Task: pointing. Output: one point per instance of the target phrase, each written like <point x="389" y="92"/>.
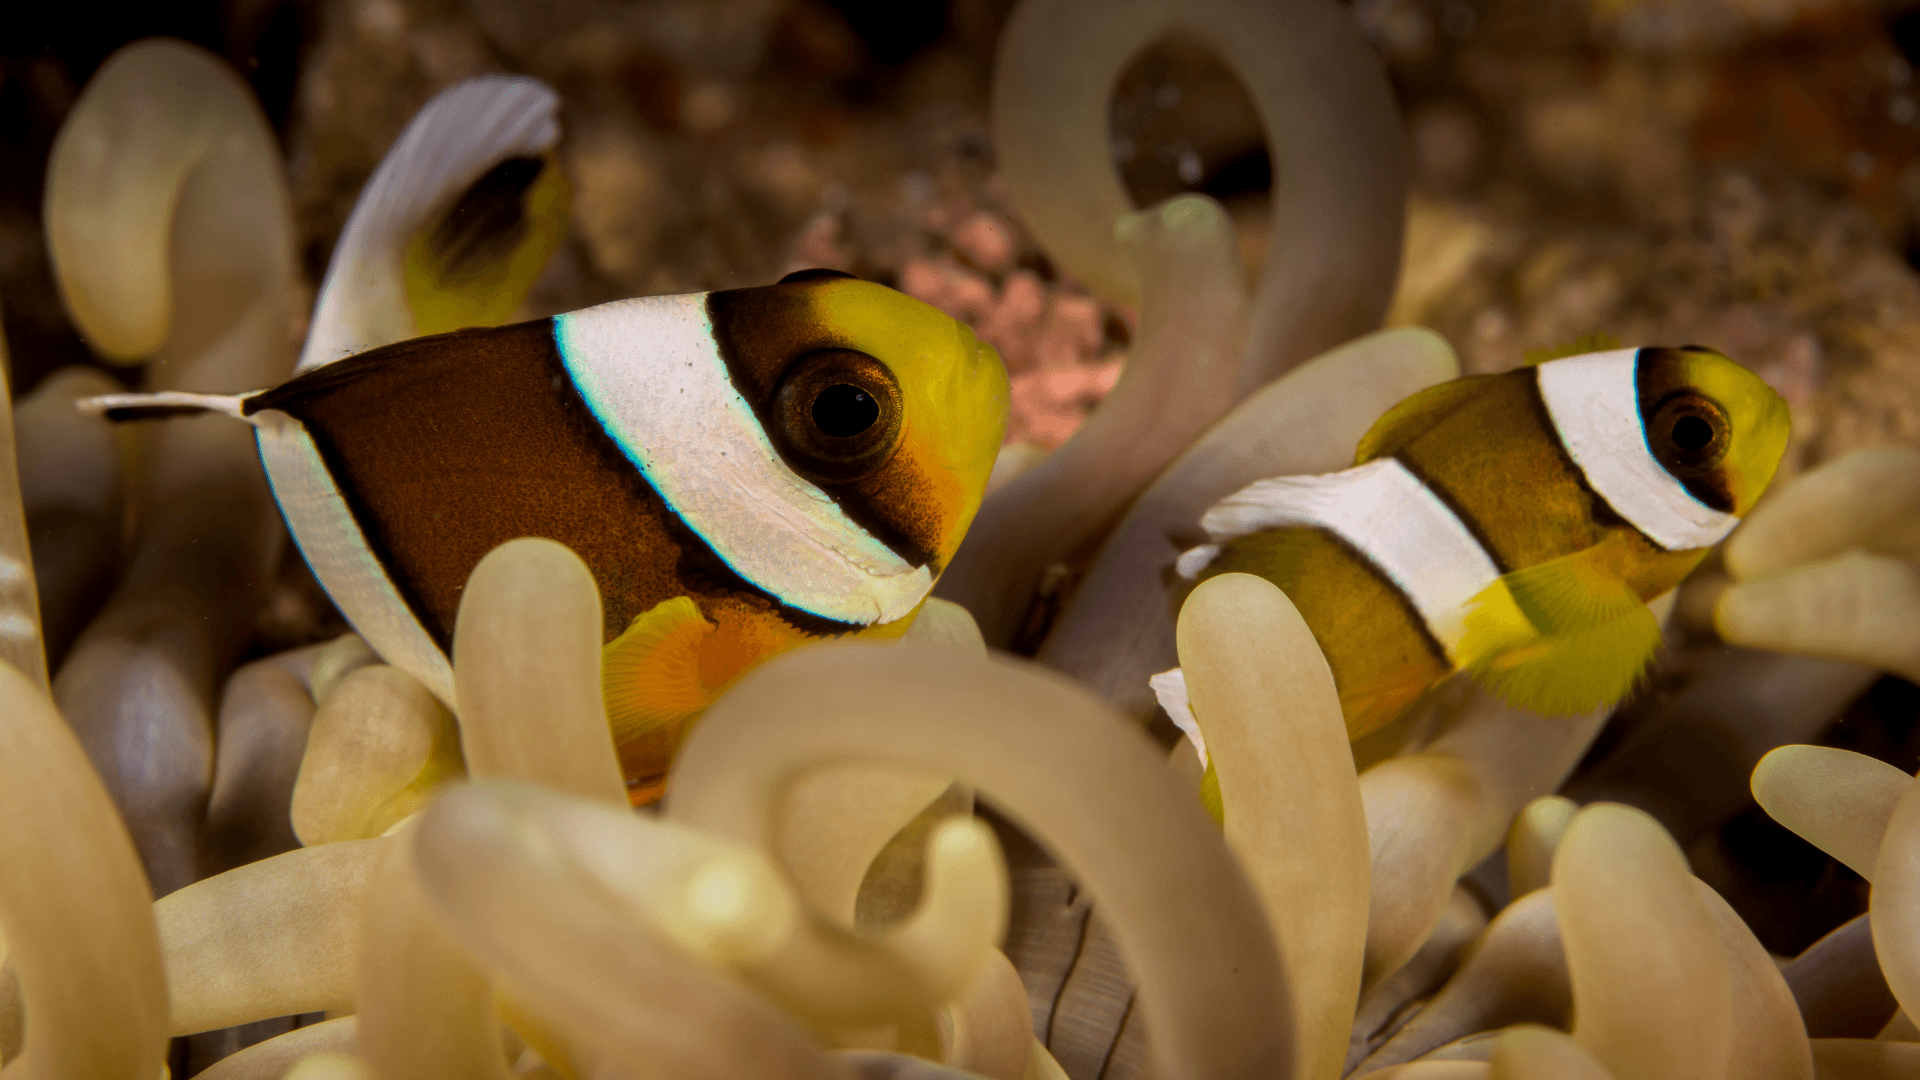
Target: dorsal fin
<point x="1598" y="341"/>
<point x="329" y="376"/>
<point x="818" y="273"/>
<point x="1411" y="418"/>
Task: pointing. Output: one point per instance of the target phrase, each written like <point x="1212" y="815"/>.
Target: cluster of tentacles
<point x="816" y="899"/>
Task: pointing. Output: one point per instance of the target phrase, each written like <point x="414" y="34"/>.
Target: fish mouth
<point x="1780" y="412"/>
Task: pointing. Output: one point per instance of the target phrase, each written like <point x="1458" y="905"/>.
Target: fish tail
<point x="461" y="172"/>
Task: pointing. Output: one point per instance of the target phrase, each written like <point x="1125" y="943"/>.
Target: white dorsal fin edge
<point x="453" y="141"/>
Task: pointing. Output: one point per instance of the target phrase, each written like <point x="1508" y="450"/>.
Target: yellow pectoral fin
<point x="1560" y="637"/>
<point x="650" y="678"/>
<point x="661" y="673"/>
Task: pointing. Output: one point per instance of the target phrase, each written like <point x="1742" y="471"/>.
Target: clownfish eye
<point x="844" y="410"/>
<point x="1688" y="434"/>
<point x="836" y="414"/>
<point x="1691" y="434"/>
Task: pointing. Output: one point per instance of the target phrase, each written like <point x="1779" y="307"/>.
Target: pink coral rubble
<point x="1051" y="336"/>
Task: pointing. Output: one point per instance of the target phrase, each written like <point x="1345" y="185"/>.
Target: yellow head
<point x="1712" y="423"/>
<point x="891" y="407"/>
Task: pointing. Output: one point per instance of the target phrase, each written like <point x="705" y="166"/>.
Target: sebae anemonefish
<point x="742" y="471"/>
<point x="1512" y="526"/>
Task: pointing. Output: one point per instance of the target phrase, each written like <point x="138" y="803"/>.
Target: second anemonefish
<point x="742" y="471"/>
<point x="1512" y="526"/>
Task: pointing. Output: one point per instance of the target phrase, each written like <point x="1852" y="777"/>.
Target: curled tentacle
<point x="1263" y="695"/>
<point x="166" y="167"/>
<point x="83" y="955"/>
<point x="1331" y="126"/>
<point x="171" y="234"/>
<point x="1211" y="982"/>
<point x="1338" y="204"/>
<point x="525" y="910"/>
<point x="1177" y="380"/>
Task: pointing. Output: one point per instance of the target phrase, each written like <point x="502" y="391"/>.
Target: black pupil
<point x="843" y="411"/>
<point x="1692" y="433"/>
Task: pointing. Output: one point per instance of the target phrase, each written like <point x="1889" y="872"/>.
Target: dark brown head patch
<point x="769" y="338"/>
<point x="1687" y="431"/>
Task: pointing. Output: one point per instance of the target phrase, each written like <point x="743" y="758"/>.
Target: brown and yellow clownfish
<point x="742" y="471"/>
<point x="1512" y="526"/>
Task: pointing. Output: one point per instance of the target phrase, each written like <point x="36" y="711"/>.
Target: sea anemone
<point x="467" y="893"/>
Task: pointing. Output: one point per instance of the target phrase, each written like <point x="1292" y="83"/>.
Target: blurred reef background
<point x="1744" y="174"/>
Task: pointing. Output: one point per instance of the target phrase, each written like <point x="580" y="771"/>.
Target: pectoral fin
<point x="1561" y="637"/>
<point x="650" y="678"/>
<point x="664" y="670"/>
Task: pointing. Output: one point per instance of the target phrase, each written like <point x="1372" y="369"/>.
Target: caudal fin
<point x="452" y="227"/>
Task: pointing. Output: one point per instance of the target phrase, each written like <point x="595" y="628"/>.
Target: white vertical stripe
<point x="1595" y="405"/>
<point x="651" y="372"/>
<point x="337" y="551"/>
<point x="1385" y="512"/>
